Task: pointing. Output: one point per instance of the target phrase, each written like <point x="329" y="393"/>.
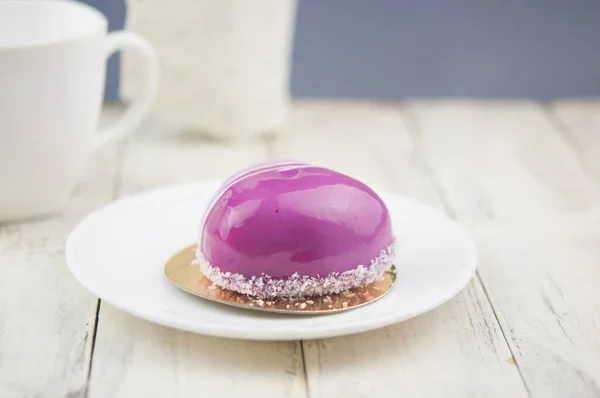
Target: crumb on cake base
<point x="296" y="285"/>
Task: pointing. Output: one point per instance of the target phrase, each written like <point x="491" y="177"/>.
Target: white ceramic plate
<point x="118" y="253"/>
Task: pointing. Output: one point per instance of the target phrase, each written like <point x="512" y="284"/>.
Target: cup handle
<point x="141" y="105"/>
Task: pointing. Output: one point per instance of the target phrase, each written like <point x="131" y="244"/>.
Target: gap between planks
<point x="116" y="187"/>
<point x="412" y="126"/>
<point x="271" y="150"/>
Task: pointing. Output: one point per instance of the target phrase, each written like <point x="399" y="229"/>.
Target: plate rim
<point x="232" y="332"/>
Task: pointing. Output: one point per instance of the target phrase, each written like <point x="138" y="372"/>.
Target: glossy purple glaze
<point x="304" y="219"/>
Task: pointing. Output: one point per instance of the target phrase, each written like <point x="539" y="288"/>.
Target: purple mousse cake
<point x="290" y="229"/>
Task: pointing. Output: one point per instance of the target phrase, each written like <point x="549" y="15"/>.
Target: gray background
<point x="394" y="49"/>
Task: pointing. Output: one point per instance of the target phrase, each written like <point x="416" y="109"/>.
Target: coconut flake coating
<point x="296" y="285"/>
<point x="292" y="229"/>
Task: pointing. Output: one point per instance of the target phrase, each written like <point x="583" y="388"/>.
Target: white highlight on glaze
<point x="297" y="285"/>
<point x="274" y="165"/>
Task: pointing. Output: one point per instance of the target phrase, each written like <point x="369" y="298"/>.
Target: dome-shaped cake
<point x="290" y="229"/>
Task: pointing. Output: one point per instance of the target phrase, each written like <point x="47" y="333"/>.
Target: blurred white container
<point x="225" y="63"/>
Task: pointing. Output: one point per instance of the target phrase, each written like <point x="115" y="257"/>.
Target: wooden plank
<point x="133" y="357"/>
<point x="580" y="122"/>
<point x="46" y="318"/>
<point x="507" y="172"/>
<point x="544" y="287"/>
<point x="502" y="162"/>
<point x="455" y="351"/>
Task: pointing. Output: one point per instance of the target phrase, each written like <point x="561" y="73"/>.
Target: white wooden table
<point x="523" y="177"/>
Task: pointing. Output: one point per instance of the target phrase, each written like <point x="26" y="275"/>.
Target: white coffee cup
<point x="52" y="72"/>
